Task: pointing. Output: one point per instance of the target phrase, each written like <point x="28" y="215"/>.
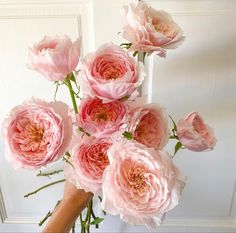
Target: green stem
<point x="49" y="214"/>
<point x="43" y="187"/>
<point x="81" y="223"/>
<point x="93" y="215"/>
<point x="88" y="217"/>
<point x="141" y="56"/>
<point x="67" y="161"/>
<point x="72" y="95"/>
<point x="49" y="173"/>
<point x="73" y="228"/>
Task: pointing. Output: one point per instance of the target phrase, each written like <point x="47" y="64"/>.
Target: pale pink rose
<point x="90" y="159"/>
<point x="98" y="118"/>
<point x="110" y="74"/>
<point x="150" y="30"/>
<point x="55" y="57"/>
<point x="194" y="134"/>
<point x="37" y="133"/>
<point x="141" y="184"/>
<point x="149" y="125"/>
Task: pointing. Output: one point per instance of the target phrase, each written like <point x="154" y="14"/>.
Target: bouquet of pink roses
<point x="113" y="141"/>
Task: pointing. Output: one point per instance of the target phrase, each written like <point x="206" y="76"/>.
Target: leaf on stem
<point x="96" y="221"/>
<point x="126" y="45"/>
<point x="178" y="146"/>
<point x="71" y="77"/>
<point x="174" y="124"/>
<point x="128" y="135"/>
<point x="135" y="53"/>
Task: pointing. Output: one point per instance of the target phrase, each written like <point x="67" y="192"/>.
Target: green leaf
<point x="144" y="55"/>
<point x="71" y="76"/>
<point x="174" y="124"/>
<point x="124" y="98"/>
<point x="178" y="146"/>
<point x="96" y="221"/>
<point x="100" y="198"/>
<point x="128" y="135"/>
<point x="135" y="53"/>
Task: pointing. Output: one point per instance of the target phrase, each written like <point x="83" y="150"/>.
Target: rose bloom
<point x="140" y="184"/>
<point x="149" y="30"/>
<point x="194" y="134"/>
<point x="55" y="57"/>
<point x="89" y="159"/>
<point x="110" y="73"/>
<point x="36" y="133"/>
<point x="149" y="125"/>
<point x="98" y="118"/>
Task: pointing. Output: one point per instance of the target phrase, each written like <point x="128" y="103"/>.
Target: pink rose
<point x="149" y="125"/>
<point x="140" y="184"/>
<point x="90" y="160"/>
<point x="149" y="30"/>
<point x="36" y="133"/>
<point x="194" y="134"/>
<point x="110" y="73"/>
<point x="55" y="57"/>
<point x="98" y="118"/>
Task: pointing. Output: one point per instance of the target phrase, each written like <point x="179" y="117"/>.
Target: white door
<point x="200" y="75"/>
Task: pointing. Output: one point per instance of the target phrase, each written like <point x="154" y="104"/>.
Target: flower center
<point x="30" y="136"/>
<point x="34" y="133"/>
<point x="198" y="125"/>
<point x="111" y="73"/>
<point x="137" y="179"/>
<point x="163" y="28"/>
<point x="146" y="126"/>
<point x="103" y="114"/>
<point x="44" y="47"/>
<point x="109" y="67"/>
<point x="94" y="158"/>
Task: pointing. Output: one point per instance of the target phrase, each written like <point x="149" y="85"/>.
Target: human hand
<point x="72" y="194"/>
<point x="65" y="214"/>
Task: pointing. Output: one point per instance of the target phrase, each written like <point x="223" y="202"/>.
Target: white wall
<point x="200" y="75"/>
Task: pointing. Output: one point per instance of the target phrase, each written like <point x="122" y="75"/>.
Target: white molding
<point x="43" y="10"/>
<point x="147" y="85"/>
<point x="216" y="225"/>
<point x="40" y="2"/>
<point x="82" y="10"/>
<point x="3" y="213"/>
<point x="232" y="208"/>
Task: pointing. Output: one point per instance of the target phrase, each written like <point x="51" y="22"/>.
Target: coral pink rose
<point x="194" y="134"/>
<point x="90" y="160"/>
<point x="37" y="133"/>
<point x="55" y="57"/>
<point x="140" y="184"/>
<point x="149" y="125"/>
<point x="149" y="30"/>
<point x="110" y="74"/>
<point x="98" y="118"/>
